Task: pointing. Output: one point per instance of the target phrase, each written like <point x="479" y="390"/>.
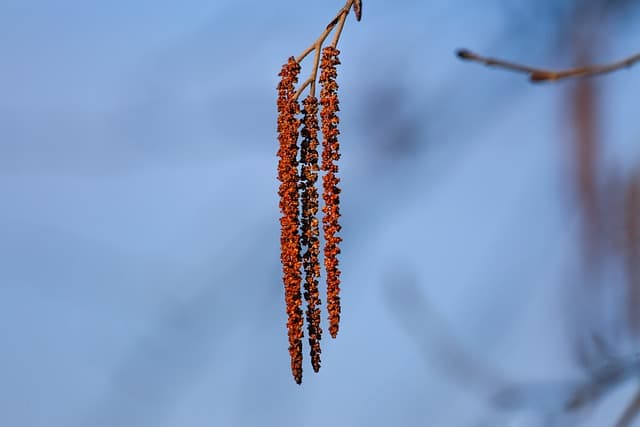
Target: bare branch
<point x="537" y="75"/>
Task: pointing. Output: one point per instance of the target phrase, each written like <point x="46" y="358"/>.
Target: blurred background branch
<point x="541" y="75"/>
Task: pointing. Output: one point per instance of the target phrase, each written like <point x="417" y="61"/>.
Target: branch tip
<point x="357" y="9"/>
<point x="464" y="54"/>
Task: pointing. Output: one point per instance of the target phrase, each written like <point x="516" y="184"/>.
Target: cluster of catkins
<point x="298" y="170"/>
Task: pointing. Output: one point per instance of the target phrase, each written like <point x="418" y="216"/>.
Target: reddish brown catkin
<point x="288" y="126"/>
<point x="310" y="227"/>
<point x="331" y="191"/>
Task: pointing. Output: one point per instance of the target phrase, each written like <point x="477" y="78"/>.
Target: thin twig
<point x="336" y="37"/>
<point x="314" y="73"/>
<point x="540" y="75"/>
<point x="317" y="46"/>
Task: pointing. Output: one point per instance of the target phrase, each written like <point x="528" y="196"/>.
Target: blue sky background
<point x="139" y="240"/>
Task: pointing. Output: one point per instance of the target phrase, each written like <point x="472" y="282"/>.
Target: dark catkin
<point x="309" y="224"/>
<point x="288" y="176"/>
<point x="331" y="191"/>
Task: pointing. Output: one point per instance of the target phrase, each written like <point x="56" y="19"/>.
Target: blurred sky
<point x="140" y="282"/>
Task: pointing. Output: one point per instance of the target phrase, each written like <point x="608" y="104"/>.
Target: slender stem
<point x="341" y="22"/>
<point x="541" y="75"/>
<point x="316" y="46"/>
<point x="303" y="86"/>
<point x="314" y="73"/>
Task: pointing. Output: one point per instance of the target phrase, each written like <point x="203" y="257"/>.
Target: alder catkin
<point x="331" y="191"/>
<point x="288" y="176"/>
<point x="299" y="168"/>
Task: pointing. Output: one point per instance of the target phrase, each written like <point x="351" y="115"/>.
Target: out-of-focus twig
<point x="436" y="340"/>
<point x="630" y="412"/>
<point x="538" y="75"/>
<point x="569" y="395"/>
<point x="632" y="251"/>
<point x="548" y="397"/>
<point x="585" y="119"/>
